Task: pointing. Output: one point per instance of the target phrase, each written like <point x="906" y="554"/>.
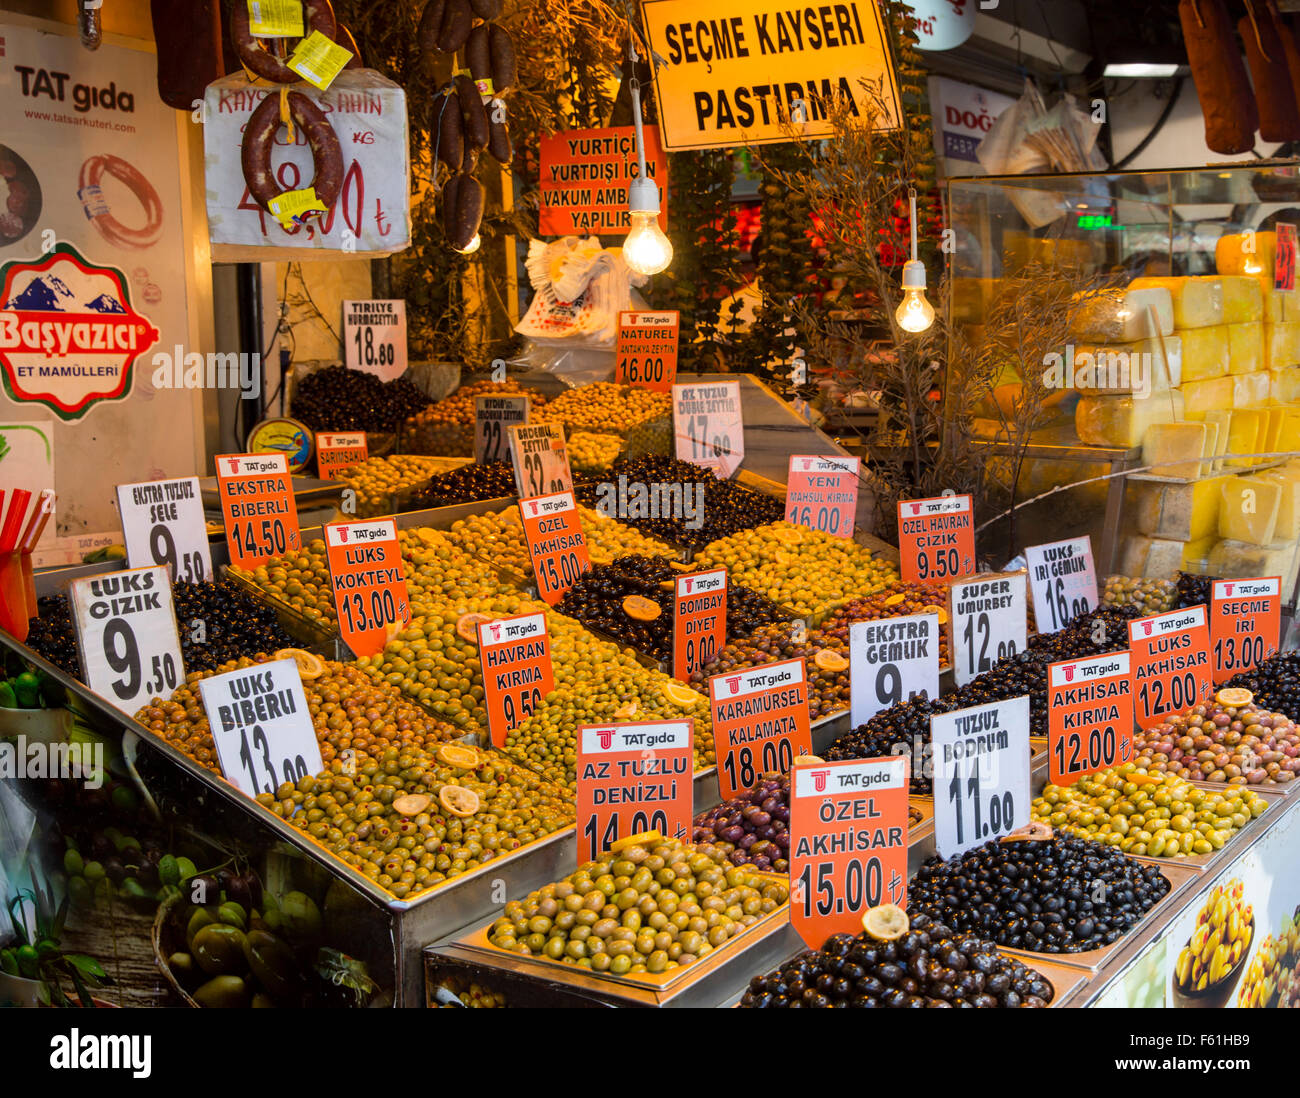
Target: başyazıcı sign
<point x="743" y="72"/>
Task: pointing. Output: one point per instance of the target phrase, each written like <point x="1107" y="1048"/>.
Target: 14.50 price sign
<point x="258" y="506"/>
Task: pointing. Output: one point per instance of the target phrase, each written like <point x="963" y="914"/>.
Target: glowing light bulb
<point x="646" y="250"/>
<point x="914" y="313"/>
<point x="471" y="247"/>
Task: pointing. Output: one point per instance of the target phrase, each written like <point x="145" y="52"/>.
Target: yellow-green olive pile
<point x="380" y="482"/>
<point x="447" y="428"/>
<point x="1151" y="596"/>
<point x="604" y="407"/>
<point x="1219" y="942"/>
<point x="591" y="452"/>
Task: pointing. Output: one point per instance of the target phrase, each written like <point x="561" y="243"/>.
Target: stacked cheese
<point x="1259" y="525"/>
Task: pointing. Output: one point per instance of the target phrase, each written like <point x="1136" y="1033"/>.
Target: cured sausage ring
<point x="259" y="135"/>
<point x="317" y="15"/>
<point x="92" y="201"/>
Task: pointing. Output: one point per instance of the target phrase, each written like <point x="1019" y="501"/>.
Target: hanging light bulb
<point x="646" y="250"/>
<point x="914" y="313"/>
<point x="471" y="247"/>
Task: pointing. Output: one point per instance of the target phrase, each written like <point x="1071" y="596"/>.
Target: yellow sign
<point x="318" y="60"/>
<point x="291" y="206"/>
<point x="744" y="72"/>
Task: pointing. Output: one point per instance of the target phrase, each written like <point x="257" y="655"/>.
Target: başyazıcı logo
<point x="69" y="336"/>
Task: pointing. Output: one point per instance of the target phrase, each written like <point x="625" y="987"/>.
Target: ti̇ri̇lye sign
<point x="744" y="72"/>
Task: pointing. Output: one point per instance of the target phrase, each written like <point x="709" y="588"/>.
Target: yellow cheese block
<point x="1200" y="397"/>
<point x="1123" y="316"/>
<point x="1151" y="558"/>
<point x="1281" y="346"/>
<point x="1116" y="368"/>
<point x="1174" y="449"/>
<point x="1248" y="510"/>
<point x="1245" y="348"/>
<point x="1284" y="385"/>
<point x="1248" y="253"/>
<point x="1250" y="390"/>
<point x="1290" y="304"/>
<point x="1274" y="427"/>
<point x="1243" y="298"/>
<point x="1243" y="435"/>
<point x="1198" y="302"/>
<point x="1287" y="438"/>
<point x="1205" y="353"/>
<point x="1122" y="421"/>
<point x="1241" y="560"/>
<point x="1178" y="512"/>
<point x="1196" y="554"/>
<point x="1288" y="513"/>
<point x="1210" y="449"/>
<point x="1221" y="418"/>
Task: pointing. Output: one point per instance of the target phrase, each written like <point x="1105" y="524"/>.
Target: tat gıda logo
<point x="69" y="336"/>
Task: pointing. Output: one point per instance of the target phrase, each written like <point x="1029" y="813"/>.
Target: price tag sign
<point x="1089" y="715"/>
<point x="989" y="617"/>
<point x="338" y="451"/>
<point x="1285" y="257"/>
<point x="515" y="654"/>
<point x="889" y="661"/>
<point x="1064" y="581"/>
<point x="365" y="563"/>
<point x="848" y="844"/>
<point x="936" y="538"/>
<point x="1245" y="623"/>
<point x="126" y="636"/>
<point x="257" y="506"/>
<point x="540" y="458"/>
<point x="633" y="778"/>
<point x="822" y="493"/>
<point x="556" y="544"/>
<point x="709" y="426"/>
<point x="374" y="337"/>
<point x="275" y="18"/>
<point x="262" y="726"/>
<point x="163" y="523"/>
<point x="493" y="417"/>
<point x="981" y="773"/>
<point x="699" y="620"/>
<point x="646" y="356"/>
<point x="760" y="723"/>
<point x="292" y="208"/>
<point x="318" y="60"/>
<point x="1171" y="664"/>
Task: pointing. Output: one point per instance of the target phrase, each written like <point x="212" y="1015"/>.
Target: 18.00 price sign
<point x="760" y="723"/>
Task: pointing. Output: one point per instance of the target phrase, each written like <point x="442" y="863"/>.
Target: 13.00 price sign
<point x="1245" y="623"/>
<point x="365" y="566"/>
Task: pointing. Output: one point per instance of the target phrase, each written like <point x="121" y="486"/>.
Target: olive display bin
<point x="446" y="977"/>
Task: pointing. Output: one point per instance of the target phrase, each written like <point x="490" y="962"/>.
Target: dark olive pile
<point x="468" y="484"/>
<point x="1275" y="683"/>
<point x="339" y="399"/>
<point x="930" y="966"/>
<point x="727" y="508"/>
<point x="753" y="828"/>
<point x="596" y="600"/>
<point x="828" y="690"/>
<point x="1059" y="895"/>
<point x="49" y="634"/>
<point x="1192" y="590"/>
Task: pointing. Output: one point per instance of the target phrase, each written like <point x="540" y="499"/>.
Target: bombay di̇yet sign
<point x="744" y="72"/>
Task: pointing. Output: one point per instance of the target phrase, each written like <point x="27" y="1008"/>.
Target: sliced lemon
<point x="641" y="608"/>
<point x="886" y="922"/>
<point x="894" y="600"/>
<point x="681" y="696"/>
<point x="643" y="838"/>
<point x="1234" y="697"/>
<point x="1035" y="832"/>
<point x="808" y="760"/>
<point x="458" y="755"/>
<point x="458" y="800"/>
<point x="412" y="804"/>
<point x="309" y="666"/>
<point x="788" y="535"/>
<point x="830" y="660"/>
<point x="681" y="566"/>
<point x="626" y="712"/>
<point x="943" y="614"/>
<point x="467" y="626"/>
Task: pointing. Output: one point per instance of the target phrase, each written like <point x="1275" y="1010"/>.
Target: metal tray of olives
<point x="319" y="635"/>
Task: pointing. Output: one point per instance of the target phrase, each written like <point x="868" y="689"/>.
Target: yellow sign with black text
<point x="754" y="72"/>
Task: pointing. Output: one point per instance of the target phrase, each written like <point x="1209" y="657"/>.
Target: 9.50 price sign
<point x="936" y="538"/>
<point x="365" y="565"/>
<point x="1089" y="716"/>
<point x="556" y="543"/>
<point x="760" y="723"/>
<point x="646" y="355"/>
<point x="515" y="654"/>
<point x="163" y="523"/>
<point x="848" y="843"/>
<point x="1245" y="623"/>
<point x="258" y="507"/>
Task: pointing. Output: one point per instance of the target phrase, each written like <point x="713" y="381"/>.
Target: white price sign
<point x="262" y="727"/>
<point x="493" y="416"/>
<point x="709" y="426"/>
<point x="990" y="621"/>
<point x="1064" y="581"/>
<point x="374" y="337"/>
<point x="163" y="523"/>
<point x="889" y="661"/>
<point x="981" y="773"/>
<point x="126" y="631"/>
<point x="541" y="460"/>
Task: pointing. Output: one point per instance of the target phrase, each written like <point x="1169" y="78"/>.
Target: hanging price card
<point x="262" y="726"/>
<point x="760" y="723"/>
<point x="936" y="538"/>
<point x="981" y="773"/>
<point x="126" y="636"/>
<point x="336" y="451"/>
<point x="709" y="426"/>
<point x="699" y="620"/>
<point x="1171" y="663"/>
<point x="848" y="844"/>
<point x="515" y="654"/>
<point x="1089" y="715"/>
<point x="1064" y="581"/>
<point x="890" y="660"/>
<point x="1285" y="257"/>
<point x="540" y="458"/>
<point x="257" y="506"/>
<point x="556" y="544"/>
<point x="163" y="523"/>
<point x="365" y="564"/>
<point x="374" y="337"/>
<point x="1245" y="623"/>
<point x="822" y="493"/>
<point x="493" y="417"/>
<point x="646" y="357"/>
<point x="633" y="778"/>
<point x="989" y="622"/>
<point x="275" y="18"/>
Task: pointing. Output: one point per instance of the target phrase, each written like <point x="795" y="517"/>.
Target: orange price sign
<point x="848" y="843"/>
<point x="1089" y="716"/>
<point x="556" y="543"/>
<point x="338" y="451"/>
<point x="257" y="506"/>
<point x="646" y="357"/>
<point x="936" y="538"/>
<point x="699" y="620"/>
<point x="515" y="654"/>
<point x="365" y="563"/>
<point x="584" y="178"/>
<point x="1245" y="623"/>
<point x="632" y="778"/>
<point x="1284" y="259"/>
<point x="1171" y="664"/>
<point x="760" y="723"/>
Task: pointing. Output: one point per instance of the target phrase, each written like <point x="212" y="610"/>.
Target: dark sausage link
<point x="499" y="144"/>
<point x="486" y="9"/>
<point x="502" y="48"/>
<point x="344" y="38"/>
<point x="478" y="59"/>
<point x="473" y="118"/>
<point x="1279" y="120"/>
<point x="450" y="192"/>
<point x="469" y="211"/>
<point x="259" y="136"/>
<point x="456" y="24"/>
<point x="317" y="15"/>
<point x="451" y="141"/>
<point x="1222" y="86"/>
<point x="430" y="25"/>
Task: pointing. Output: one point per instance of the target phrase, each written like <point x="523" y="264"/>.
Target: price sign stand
<point x="989" y="616"/>
<point x="515" y="654"/>
<point x="1171" y="664"/>
<point x="127" y="640"/>
<point x="646" y="355"/>
<point x="365" y="565"/>
<point x="257" y="506"/>
<point x="890" y="660"/>
<point x="633" y="778"/>
<point x="374" y="337"/>
<point x="936" y="539"/>
<point x="848" y="844"/>
<point x="339" y="450"/>
<point x="262" y="726"/>
<point x="1063" y="578"/>
<point x="709" y="427"/>
<point x="1284" y="258"/>
<point x="493" y="416"/>
<point x="1089" y="716"/>
<point x="541" y="459"/>
<point x="1245" y="623"/>
<point x="822" y="493"/>
<point x="760" y="723"/>
<point x="699" y="620"/>
<point x="163" y="523"/>
<point x="556" y="545"/>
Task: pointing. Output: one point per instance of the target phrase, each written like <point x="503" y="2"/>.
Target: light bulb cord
<point x="634" y="87"/>
<point x="911" y="200"/>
